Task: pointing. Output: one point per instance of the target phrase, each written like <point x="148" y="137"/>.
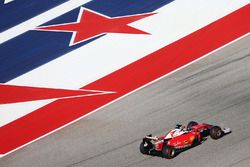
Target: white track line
<point x="7" y="1"/>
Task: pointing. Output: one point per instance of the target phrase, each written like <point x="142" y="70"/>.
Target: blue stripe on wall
<point x="18" y="11"/>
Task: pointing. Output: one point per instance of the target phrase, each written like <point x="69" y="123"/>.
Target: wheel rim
<point x="218" y="133"/>
<point x="172" y="153"/>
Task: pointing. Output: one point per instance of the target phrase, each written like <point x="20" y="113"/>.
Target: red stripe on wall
<point x="15" y="94"/>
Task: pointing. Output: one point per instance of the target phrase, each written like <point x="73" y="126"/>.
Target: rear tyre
<point x="191" y="124"/>
<point x="168" y="152"/>
<point x="144" y="148"/>
<point x="216" y="132"/>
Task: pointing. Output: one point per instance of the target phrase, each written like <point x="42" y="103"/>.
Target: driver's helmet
<point x="179" y="126"/>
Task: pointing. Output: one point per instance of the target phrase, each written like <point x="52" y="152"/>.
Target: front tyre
<point x="168" y="152"/>
<point x="216" y="132"/>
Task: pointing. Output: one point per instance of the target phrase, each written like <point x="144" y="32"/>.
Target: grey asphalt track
<point x="215" y="90"/>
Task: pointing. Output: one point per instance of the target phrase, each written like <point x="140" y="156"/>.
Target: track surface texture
<point x="214" y="90"/>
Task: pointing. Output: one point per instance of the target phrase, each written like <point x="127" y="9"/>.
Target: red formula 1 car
<point x="180" y="138"/>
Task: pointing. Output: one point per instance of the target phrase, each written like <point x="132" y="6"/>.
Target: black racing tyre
<point x="191" y="124"/>
<point x="168" y="152"/>
<point x="216" y="132"/>
<point x="144" y="148"/>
